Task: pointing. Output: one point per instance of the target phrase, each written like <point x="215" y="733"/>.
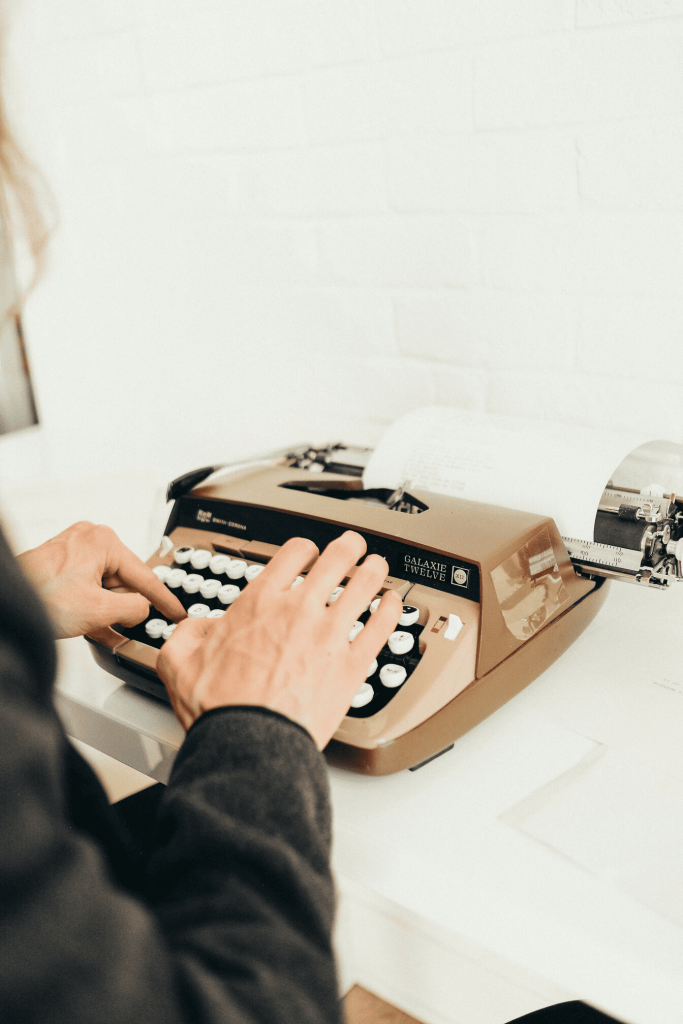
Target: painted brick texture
<point x="330" y="213"/>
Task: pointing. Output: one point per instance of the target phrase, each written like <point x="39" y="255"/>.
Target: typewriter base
<point x="481" y="698"/>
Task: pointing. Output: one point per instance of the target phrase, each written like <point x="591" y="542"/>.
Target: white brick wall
<point x="294" y="219"/>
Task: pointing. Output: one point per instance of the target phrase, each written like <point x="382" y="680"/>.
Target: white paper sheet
<point x="531" y="465"/>
<point x="620" y="819"/>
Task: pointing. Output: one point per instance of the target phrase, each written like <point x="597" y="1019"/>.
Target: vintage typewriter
<point x="491" y="595"/>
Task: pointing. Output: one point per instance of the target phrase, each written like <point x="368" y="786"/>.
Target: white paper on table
<point x="620" y="819"/>
<point x="531" y="465"/>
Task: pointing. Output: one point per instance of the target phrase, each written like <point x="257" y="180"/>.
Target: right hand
<point x="284" y="648"/>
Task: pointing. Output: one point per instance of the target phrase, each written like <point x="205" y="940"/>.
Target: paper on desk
<point x="531" y="465"/>
<point x="618" y="818"/>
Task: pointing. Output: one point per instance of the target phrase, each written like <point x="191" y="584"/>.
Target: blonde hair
<point x="25" y="195"/>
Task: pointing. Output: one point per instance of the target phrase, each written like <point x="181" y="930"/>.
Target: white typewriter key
<point x="355" y="630"/>
<point x="217" y="613"/>
<point x="161" y="572"/>
<point x="374" y="605"/>
<point x="165" y="546"/>
<point x="183" y="555"/>
<point x="363" y="697"/>
<point x="335" y="595"/>
<point x="175" y="578"/>
<point x="253" y="571"/>
<point x="392" y="675"/>
<point x="372" y="669"/>
<point x="168" y="632"/>
<point x="236" y="569"/>
<point x="155" y="627"/>
<point x="198" y="611"/>
<point x="210" y="588"/>
<point x="218" y="564"/>
<point x="297" y="582"/>
<point x="192" y="583"/>
<point x="228" y="593"/>
<point x="201" y="558"/>
<point x="400" y="642"/>
<point x="410" y="615"/>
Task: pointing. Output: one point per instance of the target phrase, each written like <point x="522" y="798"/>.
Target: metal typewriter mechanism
<point x="491" y="595"/>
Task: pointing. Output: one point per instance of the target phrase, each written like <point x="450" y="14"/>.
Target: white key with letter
<point x="155" y="627"/>
<point x="198" y="611"/>
<point x="217" y="613"/>
<point x="168" y="632"/>
<point x="392" y="675"/>
<point x="355" y="630"/>
<point x="161" y="572"/>
<point x="400" y="642"/>
<point x="183" y="555"/>
<point x="175" y="578"/>
<point x="252" y="571"/>
<point x="236" y="569"/>
<point x="210" y="588"/>
<point x="228" y="593"/>
<point x="218" y="564"/>
<point x="192" y="583"/>
<point x="200" y="558"/>
<point x="410" y="615"/>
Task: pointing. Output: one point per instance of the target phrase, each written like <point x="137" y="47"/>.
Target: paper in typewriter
<point x="531" y="465"/>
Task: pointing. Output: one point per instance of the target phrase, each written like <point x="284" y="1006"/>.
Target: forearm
<point x="240" y="882"/>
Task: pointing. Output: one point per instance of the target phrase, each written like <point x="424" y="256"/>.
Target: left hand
<point x="76" y="572"/>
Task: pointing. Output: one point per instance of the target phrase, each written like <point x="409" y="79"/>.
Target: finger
<point x="334" y="563"/>
<point x="362" y="587"/>
<point x="134" y="573"/>
<point x="292" y="558"/>
<point x="378" y="628"/>
<point x="185" y="639"/>
<point x="128" y="609"/>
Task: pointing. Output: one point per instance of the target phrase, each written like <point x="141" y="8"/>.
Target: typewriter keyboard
<point x="207" y="585"/>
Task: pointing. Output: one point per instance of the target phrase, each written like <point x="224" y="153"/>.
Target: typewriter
<point x="491" y="596"/>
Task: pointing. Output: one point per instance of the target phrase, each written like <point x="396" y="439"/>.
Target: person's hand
<point x="283" y="648"/>
<point x="75" y="574"/>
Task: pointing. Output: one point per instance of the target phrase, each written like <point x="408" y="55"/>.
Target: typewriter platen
<point x="491" y="595"/>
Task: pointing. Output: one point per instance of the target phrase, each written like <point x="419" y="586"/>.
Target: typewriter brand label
<point x="433" y="570"/>
<point x="203" y="516"/>
<point x="459" y="577"/>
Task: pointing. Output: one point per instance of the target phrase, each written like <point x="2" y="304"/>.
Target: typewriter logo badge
<point x="202" y="516"/>
<point x="459" y="577"/>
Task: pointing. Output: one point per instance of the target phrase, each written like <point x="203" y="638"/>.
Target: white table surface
<point x="448" y="910"/>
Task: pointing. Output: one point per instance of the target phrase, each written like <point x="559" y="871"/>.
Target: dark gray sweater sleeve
<point x="234" y="924"/>
<point x="240" y="881"/>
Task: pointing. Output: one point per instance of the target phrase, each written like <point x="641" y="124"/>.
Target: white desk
<point x="447" y="910"/>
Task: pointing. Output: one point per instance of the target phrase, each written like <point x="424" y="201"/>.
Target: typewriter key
<point x="198" y="611"/>
<point x="363" y="697"/>
<point x="400" y="642"/>
<point x="209" y="589"/>
<point x="355" y="630"/>
<point x="183" y="555"/>
<point x="161" y="572"/>
<point x="297" y="581"/>
<point x="201" y="558"/>
<point x="410" y="615"/>
<point x="155" y="627"/>
<point x="374" y="605"/>
<point x="217" y="613"/>
<point x="192" y="583"/>
<point x="252" y="572"/>
<point x="236" y="569"/>
<point x="218" y="564"/>
<point x="335" y="595"/>
<point x="175" y="578"/>
<point x="168" y="632"/>
<point x="391" y="675"/>
<point x="372" y="669"/>
<point x="228" y="593"/>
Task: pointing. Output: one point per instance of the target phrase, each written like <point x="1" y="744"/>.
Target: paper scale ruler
<point x="621" y="560"/>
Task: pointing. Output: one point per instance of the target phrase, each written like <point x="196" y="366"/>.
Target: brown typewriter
<point x="491" y="595"/>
